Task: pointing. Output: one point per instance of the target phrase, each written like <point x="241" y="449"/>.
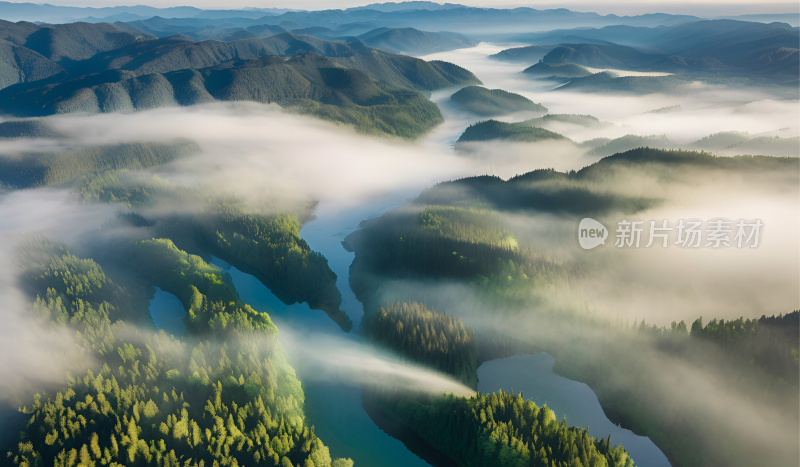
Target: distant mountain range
<point x="419" y="15"/>
<point x="719" y="48"/>
<point x="90" y="68"/>
<point x="480" y="23"/>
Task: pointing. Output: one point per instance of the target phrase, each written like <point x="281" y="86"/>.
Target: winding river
<point x="335" y="408"/>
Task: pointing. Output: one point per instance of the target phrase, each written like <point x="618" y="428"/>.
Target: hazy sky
<point x="708" y="7"/>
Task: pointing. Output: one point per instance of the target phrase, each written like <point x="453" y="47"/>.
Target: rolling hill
<point x="342" y="81"/>
<point x="638" y="85"/>
<point x="19" y="64"/>
<point x="739" y="48"/>
<point x="72" y="41"/>
<point x="181" y="52"/>
<point x="307" y="83"/>
<point x="558" y="70"/>
<point x="28" y="129"/>
<point x="527" y="54"/>
<point x="580" y="120"/>
<point x="38" y="169"/>
<point x="493" y="130"/>
<point x="415" y="42"/>
<point x="628" y="142"/>
<point x="491" y="102"/>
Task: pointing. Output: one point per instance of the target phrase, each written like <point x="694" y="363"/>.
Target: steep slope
<point x="180" y="52"/>
<point x="79" y="41"/>
<point x="490" y="102"/>
<point x="21" y="65"/>
<point x="18" y="32"/>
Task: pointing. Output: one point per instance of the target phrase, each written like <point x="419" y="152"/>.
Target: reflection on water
<point x="167" y="312"/>
<point x="532" y="375"/>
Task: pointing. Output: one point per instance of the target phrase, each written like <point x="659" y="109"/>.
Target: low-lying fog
<point x="259" y="150"/>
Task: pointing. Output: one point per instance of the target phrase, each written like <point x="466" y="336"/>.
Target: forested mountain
<point x="558" y="70"/>
<point x="472" y="431"/>
<point x="453" y="232"/>
<point x="307" y="83"/>
<point x="31" y="170"/>
<point x="135" y="73"/>
<point x="587" y="121"/>
<point x="181" y="52"/>
<point x="611" y="82"/>
<point x="21" y="65"/>
<point x="202" y="28"/>
<point x="420" y="16"/>
<point x="415" y="42"/>
<point x="527" y="54"/>
<point x="166" y="401"/>
<point x="69" y="42"/>
<point x="721" y="47"/>
<point x="492" y="129"/>
<point x="502" y="429"/>
<point x="492" y="102"/>
<point x="263" y="242"/>
<point x="454" y="229"/>
<point x="628" y="142"/>
<point x="600" y="56"/>
<point x="28" y="129"/>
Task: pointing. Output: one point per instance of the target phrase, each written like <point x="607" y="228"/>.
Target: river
<point x="334" y="408"/>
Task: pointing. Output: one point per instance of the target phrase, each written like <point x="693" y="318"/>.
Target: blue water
<point x="167" y="312"/>
<point x="533" y="376"/>
<point x="335" y="408"/>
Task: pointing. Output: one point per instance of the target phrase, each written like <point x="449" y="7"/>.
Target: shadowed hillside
<point x="307" y="83"/>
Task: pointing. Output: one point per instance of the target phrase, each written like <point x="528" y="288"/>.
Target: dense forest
<point x="586" y="191"/>
<point x="454" y="232"/>
<point x="260" y="238"/>
<point x="425" y="336"/>
<point x="761" y="352"/>
<point x="33" y="170"/>
<point x="492" y="129"/>
<point x="261" y="242"/>
<point x="229" y="399"/>
<point x="492" y="102"/>
<point x="484" y="430"/>
<point x="444" y="242"/>
<point x="504" y="430"/>
<point x="95" y="68"/>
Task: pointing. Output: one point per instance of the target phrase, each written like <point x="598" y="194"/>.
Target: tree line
<point x="229" y="399"/>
